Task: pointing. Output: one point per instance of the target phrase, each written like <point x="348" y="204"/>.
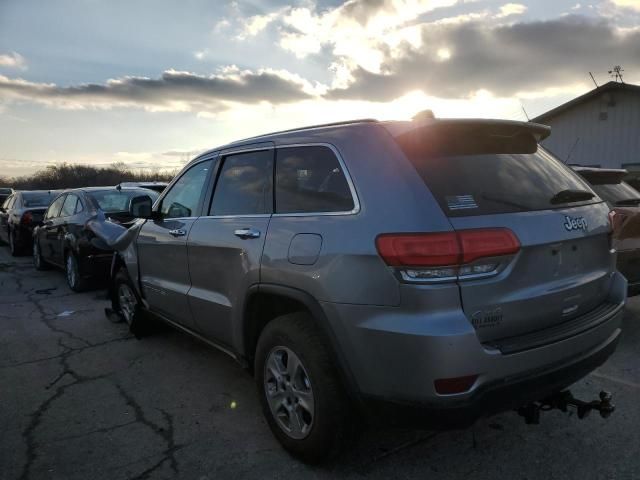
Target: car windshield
<point x="37" y="199"/>
<point x="112" y="201"/>
<point x="5" y="191"/>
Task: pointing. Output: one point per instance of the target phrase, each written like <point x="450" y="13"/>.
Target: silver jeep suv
<point x="446" y="268"/>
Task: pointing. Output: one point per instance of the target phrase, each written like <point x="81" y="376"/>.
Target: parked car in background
<point x="624" y="200"/>
<point x="445" y="268"/>
<point x="66" y="238"/>
<point x="20" y="214"/>
<point x="156" y="186"/>
<point x="4" y="194"/>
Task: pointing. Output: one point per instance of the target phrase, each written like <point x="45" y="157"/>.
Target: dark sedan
<point x="624" y="200"/>
<point x="19" y="215"/>
<point x="67" y="240"/>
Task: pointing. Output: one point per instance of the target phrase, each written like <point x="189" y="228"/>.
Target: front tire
<point x="72" y="272"/>
<point x="302" y="397"/>
<point x="127" y="304"/>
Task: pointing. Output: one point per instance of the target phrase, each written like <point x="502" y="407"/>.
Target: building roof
<point x="607" y="87"/>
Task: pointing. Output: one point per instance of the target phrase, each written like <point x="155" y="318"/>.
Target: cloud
<point x="510" y="9"/>
<point x="256" y="24"/>
<point x="173" y="91"/>
<point x="505" y="59"/>
<point x="358" y="29"/>
<point x="634" y="4"/>
<point x="13" y="60"/>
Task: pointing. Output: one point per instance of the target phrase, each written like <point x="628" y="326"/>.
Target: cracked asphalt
<point x="81" y="398"/>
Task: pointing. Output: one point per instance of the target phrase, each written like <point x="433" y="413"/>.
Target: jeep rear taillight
<point x="447" y="255"/>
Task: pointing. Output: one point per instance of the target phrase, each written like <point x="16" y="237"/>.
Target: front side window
<point x="310" y="180"/>
<point x="244" y="185"/>
<point x="69" y="206"/>
<point x="185" y="196"/>
<point x="55" y="207"/>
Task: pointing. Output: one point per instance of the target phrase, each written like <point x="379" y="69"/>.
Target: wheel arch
<point x="266" y="302"/>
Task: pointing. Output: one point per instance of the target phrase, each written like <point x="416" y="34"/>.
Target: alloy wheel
<point x="288" y="391"/>
<point x="127" y="302"/>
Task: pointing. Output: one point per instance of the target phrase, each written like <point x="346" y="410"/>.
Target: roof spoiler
<point x="469" y="136"/>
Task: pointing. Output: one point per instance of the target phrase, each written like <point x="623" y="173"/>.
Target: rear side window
<point x="244" y="185"/>
<point x="482" y="176"/>
<point x="310" y="180"/>
<point x="54" y="208"/>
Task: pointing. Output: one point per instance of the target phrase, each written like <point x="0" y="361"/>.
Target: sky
<point x="151" y="83"/>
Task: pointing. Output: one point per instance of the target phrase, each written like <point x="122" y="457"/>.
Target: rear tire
<point x="299" y="388"/>
<point x="72" y="272"/>
<point x="38" y="261"/>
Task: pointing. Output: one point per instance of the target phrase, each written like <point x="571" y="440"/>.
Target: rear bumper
<point x="395" y="356"/>
<point x="24" y="236"/>
<point x="96" y="265"/>
<point x="508" y="394"/>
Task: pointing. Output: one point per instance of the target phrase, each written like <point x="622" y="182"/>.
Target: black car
<point x="66" y="239"/>
<point x="5" y="193"/>
<point x="20" y="213"/>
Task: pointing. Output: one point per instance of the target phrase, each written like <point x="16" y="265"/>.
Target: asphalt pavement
<point x="80" y="398"/>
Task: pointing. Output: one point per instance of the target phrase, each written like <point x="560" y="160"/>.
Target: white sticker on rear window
<point x="460" y="202"/>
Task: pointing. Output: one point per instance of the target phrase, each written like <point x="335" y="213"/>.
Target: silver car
<point x="445" y="268"/>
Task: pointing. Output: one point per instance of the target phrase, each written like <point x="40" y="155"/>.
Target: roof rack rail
<point x="308" y="127"/>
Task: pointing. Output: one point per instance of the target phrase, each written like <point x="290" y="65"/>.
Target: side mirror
<point x="140" y="207"/>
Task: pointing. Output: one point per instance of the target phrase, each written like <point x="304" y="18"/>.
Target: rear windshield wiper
<point x="628" y="202"/>
<point x="569" y="196"/>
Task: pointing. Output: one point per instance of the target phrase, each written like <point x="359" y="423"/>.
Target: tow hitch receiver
<point x="562" y="401"/>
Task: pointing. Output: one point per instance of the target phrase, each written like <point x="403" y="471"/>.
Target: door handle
<point x="245" y="233"/>
<point x="178" y="232"/>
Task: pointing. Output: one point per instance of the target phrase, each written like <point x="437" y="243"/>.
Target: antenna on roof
<point x="566" y="162"/>
<point x="594" y="80"/>
<point x="525" y="112"/>
<point x="616" y="73"/>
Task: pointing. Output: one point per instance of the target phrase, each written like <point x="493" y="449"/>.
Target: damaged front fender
<point x="120" y="238"/>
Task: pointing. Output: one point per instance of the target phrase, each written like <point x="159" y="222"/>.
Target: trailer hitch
<point x="562" y="401"/>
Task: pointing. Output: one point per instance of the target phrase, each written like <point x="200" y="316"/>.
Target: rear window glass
<point x="37" y="199"/>
<point x="112" y="201"/>
<point x="616" y="193"/>
<point x="495" y="176"/>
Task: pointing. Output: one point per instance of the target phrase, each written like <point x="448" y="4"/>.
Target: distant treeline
<point x="65" y="175"/>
